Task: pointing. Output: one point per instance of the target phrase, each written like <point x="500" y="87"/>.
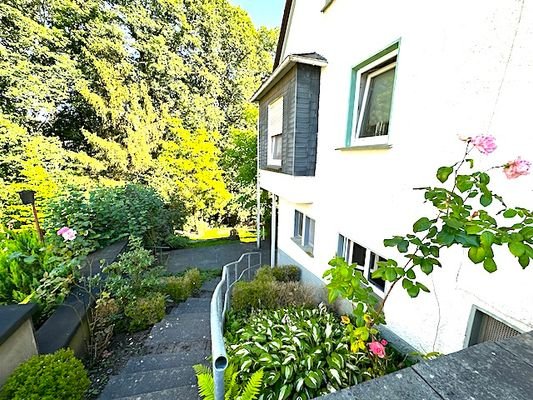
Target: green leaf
<point x="423" y="224"/>
<point x="426" y="266"/>
<point x="422" y="287"/>
<point x="484" y="178"/>
<point x="489" y="265"/>
<point x="464" y="182"/>
<point x="486" y="199"/>
<point x="390" y="275"/>
<point x="403" y="246"/>
<point x="523" y="260"/>
<point x="413" y="291"/>
<point x="406" y="283"/>
<point x="411" y="274"/>
<point x="443" y="173"/>
<point x="517" y="249"/>
<point x="487" y="238"/>
<point x="509" y="213"/>
<point x="476" y="254"/>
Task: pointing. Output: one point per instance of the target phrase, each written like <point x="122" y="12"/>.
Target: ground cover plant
<point x="303" y="352"/>
<point x="234" y="390"/>
<point x="47" y="377"/>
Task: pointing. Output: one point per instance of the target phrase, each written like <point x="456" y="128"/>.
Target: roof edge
<point x="282" y="32"/>
<point x="289" y="61"/>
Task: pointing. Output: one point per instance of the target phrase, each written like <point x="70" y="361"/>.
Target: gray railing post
<point x="219" y="306"/>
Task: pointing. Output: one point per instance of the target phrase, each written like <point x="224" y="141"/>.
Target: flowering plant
<point x="464" y="217"/>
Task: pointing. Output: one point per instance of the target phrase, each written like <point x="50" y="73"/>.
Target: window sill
<point x="273" y="168"/>
<point x="307" y="249"/>
<point x="384" y="146"/>
<point x="326" y="6"/>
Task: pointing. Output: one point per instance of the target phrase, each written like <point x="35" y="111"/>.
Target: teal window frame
<point x="355" y="90"/>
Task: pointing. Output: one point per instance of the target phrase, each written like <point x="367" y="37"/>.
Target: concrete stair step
<point x="193" y="305"/>
<point x="137" y="383"/>
<point x="183" y="318"/>
<point x="198" y="345"/>
<point x="178" y="331"/>
<point x="180" y="393"/>
<point x="154" y="362"/>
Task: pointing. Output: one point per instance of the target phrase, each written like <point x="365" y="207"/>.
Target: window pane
<point x="341" y="250"/>
<point x="275" y="117"/>
<point x="378" y="105"/>
<point x="276" y="147"/>
<point x="298" y="224"/>
<point x="310" y="232"/>
<point x="358" y="255"/>
<point x="378" y="282"/>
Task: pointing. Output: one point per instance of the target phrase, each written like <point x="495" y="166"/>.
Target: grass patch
<point x="219" y="236"/>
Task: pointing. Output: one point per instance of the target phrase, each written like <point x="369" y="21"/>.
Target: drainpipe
<point x="273" y="232"/>
<point x="258" y="195"/>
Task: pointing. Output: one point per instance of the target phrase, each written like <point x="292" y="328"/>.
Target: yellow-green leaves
<point x="443" y="173"/>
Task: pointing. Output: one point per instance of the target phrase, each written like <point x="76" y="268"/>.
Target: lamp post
<point x="28" y="197"/>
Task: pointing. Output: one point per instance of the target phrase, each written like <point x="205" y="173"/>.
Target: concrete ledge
<point x="12" y="317"/>
<point x="17" y="342"/>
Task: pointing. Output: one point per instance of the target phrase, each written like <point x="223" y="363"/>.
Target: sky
<point x="263" y="12"/>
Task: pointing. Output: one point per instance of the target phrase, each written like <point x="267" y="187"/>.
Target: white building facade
<point x="365" y="103"/>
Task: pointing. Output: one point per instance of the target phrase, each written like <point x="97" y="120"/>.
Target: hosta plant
<point x="233" y="389"/>
<point x="304" y="353"/>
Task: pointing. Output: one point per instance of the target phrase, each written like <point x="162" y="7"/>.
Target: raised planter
<point x="68" y="326"/>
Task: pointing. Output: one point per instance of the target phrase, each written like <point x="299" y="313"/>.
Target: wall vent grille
<point x="487" y="328"/>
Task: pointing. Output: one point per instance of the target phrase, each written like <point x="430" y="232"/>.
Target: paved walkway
<point x="213" y="256"/>
<point x="181" y="340"/>
<point x="488" y="371"/>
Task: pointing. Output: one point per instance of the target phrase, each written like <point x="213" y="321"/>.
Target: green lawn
<point x="218" y="236"/>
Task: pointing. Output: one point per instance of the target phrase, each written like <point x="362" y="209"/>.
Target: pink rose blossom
<point x="63" y="230"/>
<point x="377" y="349"/>
<point x="514" y="169"/>
<point x="67" y="233"/>
<point x="384" y="342"/>
<point x="486" y="144"/>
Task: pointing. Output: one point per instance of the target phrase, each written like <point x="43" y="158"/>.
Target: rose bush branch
<point x="464" y="216"/>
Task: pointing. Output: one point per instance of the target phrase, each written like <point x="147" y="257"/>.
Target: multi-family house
<point x="365" y="102"/>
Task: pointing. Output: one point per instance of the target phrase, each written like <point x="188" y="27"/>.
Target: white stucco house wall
<point x="336" y="179"/>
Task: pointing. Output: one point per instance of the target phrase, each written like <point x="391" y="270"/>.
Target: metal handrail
<point x="220" y="303"/>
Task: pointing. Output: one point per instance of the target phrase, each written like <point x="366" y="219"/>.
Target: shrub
<point x="287" y="273"/>
<point x="145" y="312"/>
<point x="175" y="288"/>
<point x="193" y="281"/>
<point x="232" y="388"/>
<point x="267" y="293"/>
<point x="179" y="288"/>
<point x="177" y="242"/>
<point x="105" y="215"/>
<point x="133" y="275"/>
<point x="301" y="351"/>
<point x="47" y="377"/>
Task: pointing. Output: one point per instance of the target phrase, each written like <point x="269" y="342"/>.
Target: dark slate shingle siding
<point x="300" y="120"/>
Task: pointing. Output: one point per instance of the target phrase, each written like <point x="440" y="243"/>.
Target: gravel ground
<point x="123" y="346"/>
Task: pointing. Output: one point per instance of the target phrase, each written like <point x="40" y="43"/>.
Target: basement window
<point x="361" y="259"/>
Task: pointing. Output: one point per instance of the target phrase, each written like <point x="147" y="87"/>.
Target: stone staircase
<point x="179" y="341"/>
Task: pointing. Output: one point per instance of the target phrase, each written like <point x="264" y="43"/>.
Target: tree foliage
<point x="149" y="91"/>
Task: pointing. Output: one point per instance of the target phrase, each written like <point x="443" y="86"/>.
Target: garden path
<point x="213" y="256"/>
<point x="181" y="339"/>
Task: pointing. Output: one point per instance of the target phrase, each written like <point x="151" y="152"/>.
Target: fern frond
<point x="206" y="384"/>
<point x="253" y="386"/>
<point x="201" y="369"/>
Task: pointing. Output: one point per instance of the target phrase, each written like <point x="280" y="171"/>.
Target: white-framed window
<point x="364" y="259"/>
<point x="375" y="83"/>
<point x="304" y="232"/>
<point x="275" y="131"/>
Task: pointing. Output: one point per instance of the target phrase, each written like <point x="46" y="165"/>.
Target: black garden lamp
<point x="28" y="197"/>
